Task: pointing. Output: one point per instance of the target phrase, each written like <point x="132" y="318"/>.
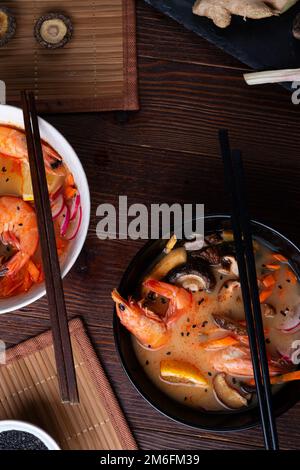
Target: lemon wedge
<point x="181" y="372"/>
<point x="54" y="183"/>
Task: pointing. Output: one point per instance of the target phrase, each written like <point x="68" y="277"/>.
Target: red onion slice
<point x="291" y="323"/>
<point x="74" y="225"/>
<point x="64" y="220"/>
<point x="75" y="206"/>
<point x="57" y="206"/>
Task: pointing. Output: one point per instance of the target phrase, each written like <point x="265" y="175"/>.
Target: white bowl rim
<point x="85" y="220"/>
<point x="16" y="425"/>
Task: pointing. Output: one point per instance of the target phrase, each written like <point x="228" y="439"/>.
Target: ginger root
<point x="220" y="11"/>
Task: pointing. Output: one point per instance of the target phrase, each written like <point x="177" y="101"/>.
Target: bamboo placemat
<point x="95" y="71"/>
<point x="29" y="392"/>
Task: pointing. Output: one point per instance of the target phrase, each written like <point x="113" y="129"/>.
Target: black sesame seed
<point x="18" y="208"/>
<point x="188" y="333"/>
<point x="147" y="363"/>
<point x="221" y="277"/>
<point x="185" y="398"/>
<point x="204" y="323"/>
<point x="288" y="280"/>
<point x="283" y="313"/>
<point x="194" y="326"/>
<point x="182" y="334"/>
<point x="7" y="180"/>
<point x="206" y="390"/>
<point x="268" y="341"/>
<point x="210" y="374"/>
<point x="279" y="287"/>
<point x="4" y="170"/>
<point x="20" y="225"/>
<point x="168" y="353"/>
<point x="200" y="301"/>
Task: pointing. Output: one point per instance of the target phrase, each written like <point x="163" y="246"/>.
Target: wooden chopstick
<point x="53" y="281"/>
<point x="235" y="181"/>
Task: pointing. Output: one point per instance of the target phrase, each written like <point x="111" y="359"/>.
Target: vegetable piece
<point x="229" y="324"/>
<point x="280" y="257"/>
<point x="229" y="266"/>
<point x="264" y="295"/>
<point x="74" y="225"/>
<point x="220" y="343"/>
<point x="194" y="276"/>
<point x="272" y="76"/>
<point x="8" y="26"/>
<point x="53" y="31"/>
<point x="181" y="372"/>
<point x="171" y="243"/>
<point x="70" y="192"/>
<point x="74" y="207"/>
<point x="291" y="322"/>
<point x="268" y="281"/>
<point x="64" y="220"/>
<point x="227" y="395"/>
<point x="57" y="206"/>
<point x="289" y="377"/>
<point x="273" y="267"/>
<point x="220" y="11"/>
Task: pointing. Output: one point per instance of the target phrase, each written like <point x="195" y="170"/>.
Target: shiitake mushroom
<point x="8" y="26"/>
<point x="53" y="30"/>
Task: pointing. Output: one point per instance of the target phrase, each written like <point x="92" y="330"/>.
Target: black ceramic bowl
<point x="284" y="398"/>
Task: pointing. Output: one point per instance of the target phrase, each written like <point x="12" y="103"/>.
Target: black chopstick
<point x="53" y="281"/>
<point x="243" y="241"/>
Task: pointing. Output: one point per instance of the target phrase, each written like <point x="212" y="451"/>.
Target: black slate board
<point x="261" y="44"/>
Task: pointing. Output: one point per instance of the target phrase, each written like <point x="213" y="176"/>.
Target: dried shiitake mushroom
<point x="8" y="26"/>
<point x="53" y="30"/>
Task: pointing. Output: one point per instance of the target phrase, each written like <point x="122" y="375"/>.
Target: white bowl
<point x="12" y="425"/>
<point x="14" y="116"/>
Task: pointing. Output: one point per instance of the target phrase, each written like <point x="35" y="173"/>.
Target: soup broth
<point x="195" y="329"/>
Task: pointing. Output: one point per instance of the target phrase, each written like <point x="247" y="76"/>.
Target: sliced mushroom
<point x="197" y="244"/>
<point x="268" y="310"/>
<point x="229" y="266"/>
<point x="210" y="254"/>
<point x="194" y="276"/>
<point x="227" y="290"/>
<point x="229" y="324"/>
<point x="227" y="395"/>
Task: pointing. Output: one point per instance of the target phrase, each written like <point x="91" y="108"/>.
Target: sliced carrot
<point x="268" y="281"/>
<point x="281" y="379"/>
<point x="33" y="271"/>
<point x="273" y="267"/>
<point x="279" y="257"/>
<point x="291" y="276"/>
<point x="264" y="295"/>
<point x="220" y="343"/>
<point x="69" y="181"/>
<point x="70" y="192"/>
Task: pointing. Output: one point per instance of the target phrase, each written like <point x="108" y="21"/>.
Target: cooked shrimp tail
<point x="145" y="325"/>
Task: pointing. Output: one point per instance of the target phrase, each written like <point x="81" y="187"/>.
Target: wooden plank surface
<point x="168" y="152"/>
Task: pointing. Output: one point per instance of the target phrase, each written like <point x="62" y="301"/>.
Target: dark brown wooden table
<point x="168" y="152"/>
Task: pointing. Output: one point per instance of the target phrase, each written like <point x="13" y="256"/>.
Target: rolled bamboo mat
<point x="95" y="71"/>
<point x="29" y="392"/>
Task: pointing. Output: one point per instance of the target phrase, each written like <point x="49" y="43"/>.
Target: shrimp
<point x="149" y="328"/>
<point x="13" y="144"/>
<point x="236" y="361"/>
<point x="18" y="229"/>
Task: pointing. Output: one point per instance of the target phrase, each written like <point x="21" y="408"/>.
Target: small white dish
<point x="12" y="425"/>
<point x="10" y="115"/>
